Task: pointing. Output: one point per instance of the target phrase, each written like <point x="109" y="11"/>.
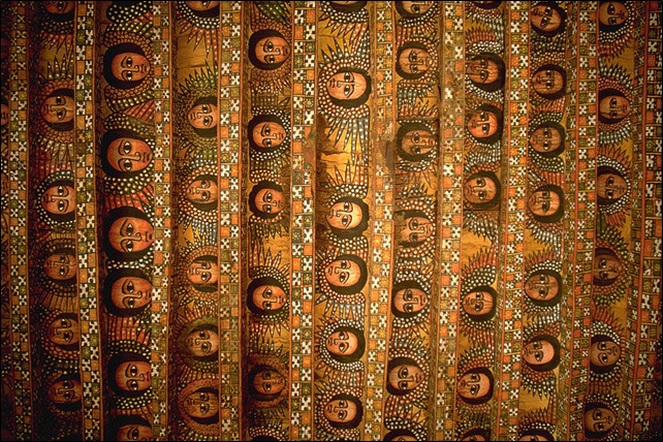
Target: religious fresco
<point x="331" y="220"/>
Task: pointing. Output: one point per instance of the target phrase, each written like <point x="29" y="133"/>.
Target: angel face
<point x="268" y="382"/>
<point x="203" y="116"/>
<point x="415" y="60"/>
<point x="599" y="419"/>
<point x="612" y="13"/>
<point x="538" y="352"/>
<point x="65" y="391"/>
<point x="133" y="375"/>
<point x="483" y="124"/>
<point x="59" y="8"/>
<point x="203" y="191"/>
<point x="126" y="154"/>
<point x="58" y="107"/>
<point x="202" y="403"/>
<point x="203" y="271"/>
<point x="604" y="353"/>
<point x="130" y="234"/>
<point x="478" y="303"/>
<point x="270" y="201"/>
<point x="416" y="229"/>
<point x="482" y="70"/>
<point x="546" y="139"/>
<point x="607" y="266"/>
<point x="342" y="343"/>
<point x="59" y="199"/>
<point x="60" y="266"/>
<point x="479" y="189"/>
<point x="202" y="6"/>
<point x="201" y="343"/>
<point x="541" y="286"/>
<point x="547" y="81"/>
<point x="410" y="300"/>
<point x="474" y="385"/>
<point x="347" y="85"/>
<point x="610" y="186"/>
<point x="343" y="273"/>
<point x="416" y="8"/>
<point x="545" y="18"/>
<point x="544" y="202"/>
<point x="131" y="292"/>
<point x="130" y="66"/>
<point x="63" y="331"/>
<point x="405" y="377"/>
<point x="268" y="134"/>
<point x="614" y="107"/>
<point x="272" y="50"/>
<point x="340" y="410"/>
<point x="268" y="297"/>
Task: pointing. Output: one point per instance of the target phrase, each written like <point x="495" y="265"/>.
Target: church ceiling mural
<point x="333" y="220"/>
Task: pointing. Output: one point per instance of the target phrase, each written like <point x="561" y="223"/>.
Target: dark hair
<point x="110" y="54"/>
<point x="358" y="416"/>
<point x="477" y="431"/>
<point x="483" y="399"/>
<point x="262" y="118"/>
<point x="262" y="185"/>
<point x="602" y="170"/>
<point x="361" y="345"/>
<point x="353" y="7"/>
<point x="393" y="434"/>
<point x="258" y="282"/>
<point x="562" y="135"/>
<point x="498" y="190"/>
<point x="404" y="12"/>
<point x="209" y="132"/>
<point x="253" y="42"/>
<point x="400" y="134"/>
<point x="399" y="68"/>
<point x="210" y="206"/>
<point x="106" y="140"/>
<point x="66" y="126"/>
<point x="498" y="83"/>
<point x="487" y="5"/>
<point x="211" y="419"/>
<point x="603" y="93"/>
<point x="407" y="284"/>
<point x="363" y="224"/>
<point x="538" y="432"/>
<point x="499" y="116"/>
<point x="554" y="362"/>
<point x="60" y="18"/>
<point x="208" y="13"/>
<point x="611" y="28"/>
<point x="67" y="347"/>
<point x="111" y="217"/>
<point x="555" y="299"/>
<point x="252" y="390"/>
<point x="589" y="406"/>
<point x="599" y="368"/>
<point x="356" y="287"/>
<point x="112" y="366"/>
<point x="490" y="313"/>
<point x="604" y="251"/>
<point x="559" y="213"/>
<point x="562" y="20"/>
<point x="110" y="279"/>
<point x="391" y="365"/>
<point x="348" y="104"/>
<point x="558" y="94"/>
<point x="60" y="217"/>
<point x="124" y="419"/>
<point x="205" y="287"/>
<point x="63" y="251"/>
